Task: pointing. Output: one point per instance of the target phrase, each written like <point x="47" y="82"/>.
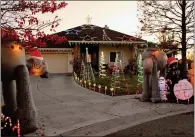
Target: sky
<point x="117" y="15"/>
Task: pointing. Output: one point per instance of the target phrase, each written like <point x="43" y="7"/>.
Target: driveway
<point x="66" y="108"/>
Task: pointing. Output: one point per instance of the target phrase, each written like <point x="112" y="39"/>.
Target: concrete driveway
<point x="66" y="108"/>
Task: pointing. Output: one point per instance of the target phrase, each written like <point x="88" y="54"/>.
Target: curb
<point x="114" y="125"/>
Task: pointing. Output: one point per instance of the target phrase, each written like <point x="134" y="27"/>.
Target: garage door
<point x="57" y="63"/>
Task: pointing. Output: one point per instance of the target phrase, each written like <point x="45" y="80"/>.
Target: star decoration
<point x="88" y="38"/>
<point x="126" y="38"/>
<point x="72" y="31"/>
<point x="87" y="26"/>
<point x="105" y="36"/>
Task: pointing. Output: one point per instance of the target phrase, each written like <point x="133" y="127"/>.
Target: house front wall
<point x="127" y="51"/>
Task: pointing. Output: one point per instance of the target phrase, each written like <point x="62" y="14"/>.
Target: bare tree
<point x="175" y="16"/>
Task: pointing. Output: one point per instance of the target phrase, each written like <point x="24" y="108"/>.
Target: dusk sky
<point x="118" y="15"/>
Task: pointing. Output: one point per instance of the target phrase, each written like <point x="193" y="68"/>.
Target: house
<point x="96" y="39"/>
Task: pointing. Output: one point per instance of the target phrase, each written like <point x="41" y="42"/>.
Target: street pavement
<point x="67" y="109"/>
<point x="181" y="125"/>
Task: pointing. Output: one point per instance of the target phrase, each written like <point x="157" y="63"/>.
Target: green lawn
<point x="132" y="82"/>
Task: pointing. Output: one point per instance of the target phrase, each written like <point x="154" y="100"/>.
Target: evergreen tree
<point x="102" y="71"/>
<point x="140" y="70"/>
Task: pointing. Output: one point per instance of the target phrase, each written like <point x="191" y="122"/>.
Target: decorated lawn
<point x="127" y="85"/>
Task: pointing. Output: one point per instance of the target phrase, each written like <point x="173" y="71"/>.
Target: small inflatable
<point x="183" y="90"/>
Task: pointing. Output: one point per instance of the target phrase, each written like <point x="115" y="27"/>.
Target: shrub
<point x="131" y="68"/>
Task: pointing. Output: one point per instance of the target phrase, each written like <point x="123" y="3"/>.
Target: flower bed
<point x="105" y="87"/>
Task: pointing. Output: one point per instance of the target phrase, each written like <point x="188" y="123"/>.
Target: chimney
<point x="106" y="27"/>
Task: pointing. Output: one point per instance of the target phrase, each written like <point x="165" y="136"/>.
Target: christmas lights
<point x="102" y="71"/>
<point x="140" y="70"/>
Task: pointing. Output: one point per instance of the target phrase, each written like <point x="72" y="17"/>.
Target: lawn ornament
<point x="99" y="86"/>
<point x="16" y="86"/>
<point x="36" y="65"/>
<point x="191" y="74"/>
<point x="183" y="90"/>
<point x="153" y="61"/>
<point x="105" y="89"/>
<point x="112" y="89"/>
<point x="162" y="88"/>
<point x="94" y="86"/>
<point x="172" y="76"/>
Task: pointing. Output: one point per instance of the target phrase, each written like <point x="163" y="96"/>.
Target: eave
<point x="142" y="43"/>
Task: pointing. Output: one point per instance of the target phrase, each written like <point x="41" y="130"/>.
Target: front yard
<point x="131" y="82"/>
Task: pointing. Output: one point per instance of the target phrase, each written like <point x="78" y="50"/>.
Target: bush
<point x="77" y="66"/>
<point x="131" y="68"/>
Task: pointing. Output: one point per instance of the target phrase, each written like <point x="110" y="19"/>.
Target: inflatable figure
<point x="16" y="86"/>
<point x="172" y="76"/>
<point x="36" y="65"/>
<point x="153" y="61"/>
<point x="183" y="90"/>
<point x="163" y="88"/>
<point x="191" y="74"/>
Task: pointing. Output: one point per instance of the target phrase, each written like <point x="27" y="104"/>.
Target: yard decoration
<point x="115" y="74"/>
<point x="89" y="71"/>
<point x="82" y="72"/>
<point x="153" y="61"/>
<point x="105" y="89"/>
<point x="19" y="23"/>
<point x="173" y="76"/>
<point x="112" y="89"/>
<point x="163" y="88"/>
<point x="99" y="86"/>
<point x="85" y="83"/>
<point x="140" y="71"/>
<point x="8" y="128"/>
<point x="36" y="65"/>
<point x="191" y="74"/>
<point x="81" y="82"/>
<point x="18" y="100"/>
<point x="183" y="90"/>
<point x="121" y="69"/>
<point x="102" y="71"/>
<point x="94" y="86"/>
<point x="89" y="85"/>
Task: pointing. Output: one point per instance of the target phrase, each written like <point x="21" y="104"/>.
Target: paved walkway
<point x="66" y="108"/>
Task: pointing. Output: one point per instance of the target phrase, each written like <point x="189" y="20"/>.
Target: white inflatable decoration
<point x="183" y="90"/>
<point x="162" y="88"/>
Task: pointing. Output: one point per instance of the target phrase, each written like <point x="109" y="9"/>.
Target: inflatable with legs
<point x="153" y="61"/>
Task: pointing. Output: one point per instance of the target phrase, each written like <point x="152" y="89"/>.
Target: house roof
<point x="92" y="34"/>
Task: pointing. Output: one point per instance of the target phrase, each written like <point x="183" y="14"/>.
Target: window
<point x="113" y="56"/>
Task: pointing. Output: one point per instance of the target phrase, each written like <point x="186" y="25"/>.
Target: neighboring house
<point x="96" y="39"/>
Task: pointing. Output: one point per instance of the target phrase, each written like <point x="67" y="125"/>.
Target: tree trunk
<point x="183" y="42"/>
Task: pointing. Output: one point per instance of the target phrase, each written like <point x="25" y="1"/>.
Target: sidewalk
<point x="66" y="108"/>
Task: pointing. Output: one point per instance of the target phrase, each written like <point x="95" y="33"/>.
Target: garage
<point x="58" y="59"/>
<point x="57" y="63"/>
